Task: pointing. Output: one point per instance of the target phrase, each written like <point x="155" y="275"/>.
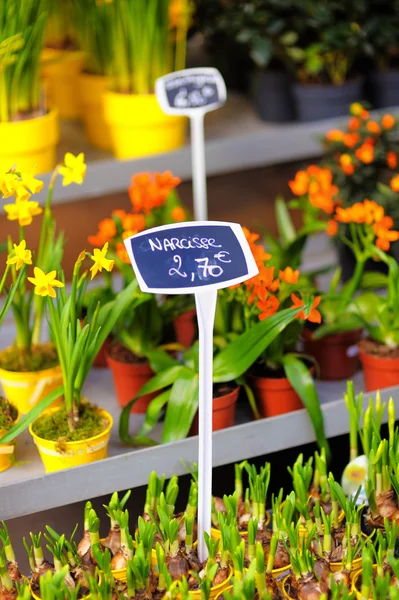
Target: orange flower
<point x="147" y="192"/>
<point x="345" y="161"/>
<point x="392" y="160"/>
<point x="332" y="227"/>
<point x="388" y="121"/>
<point x="374" y="212"/>
<point x="321" y="191"/>
<point x="365" y="153"/>
<point x="395" y="183"/>
<point x="373" y="127"/>
<point x="385" y="236"/>
<point x="351" y="139"/>
<point x="265" y="277"/>
<point x="365" y="114"/>
<point x="352" y="214"/>
<point x="289" y="275"/>
<point x="299" y="186"/>
<point x="134" y="223"/>
<point x="314" y="315"/>
<point x="166" y="180"/>
<point x="354" y="123"/>
<point x="250" y="236"/>
<point x="122" y="252"/>
<point x="268" y="307"/>
<point x="178" y="214"/>
<point x="335" y="135"/>
<point x="106" y="231"/>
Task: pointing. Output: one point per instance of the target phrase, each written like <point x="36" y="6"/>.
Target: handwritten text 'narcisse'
<point x="182" y="243"/>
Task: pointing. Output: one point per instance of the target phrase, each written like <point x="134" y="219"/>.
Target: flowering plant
<point x="77" y="342"/>
<point x="362" y="156"/>
<point x="154" y="202"/>
<point x="266" y="317"/>
<point x="362" y="227"/>
<point x="28" y="310"/>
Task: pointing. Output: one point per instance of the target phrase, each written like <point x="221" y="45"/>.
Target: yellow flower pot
<point x="92" y="89"/>
<point x="30" y="144"/>
<point x="74" y="454"/>
<point x="7" y="452"/>
<point x="285" y="594"/>
<point x="220" y="594"/>
<point x="216" y="591"/>
<point x="25" y="390"/>
<point x="139" y="127"/>
<point x="61" y="70"/>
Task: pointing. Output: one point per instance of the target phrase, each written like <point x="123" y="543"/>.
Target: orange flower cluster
<point x="263" y="287"/>
<point x="107" y="227"/>
<point x="365" y="138"/>
<point x="372" y="214"/>
<point x="317" y="184"/>
<point x="148" y="191"/>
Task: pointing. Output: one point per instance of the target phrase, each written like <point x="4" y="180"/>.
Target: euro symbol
<point x="221" y="256"/>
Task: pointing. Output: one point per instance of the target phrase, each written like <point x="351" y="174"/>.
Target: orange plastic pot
<point x="128" y="380"/>
<point x="224" y="412"/>
<point x="336" y="355"/>
<point x="185" y="328"/>
<point x="379" y="372"/>
<point x="274" y="396"/>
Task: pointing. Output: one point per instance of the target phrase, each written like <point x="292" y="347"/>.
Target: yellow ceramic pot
<point x="30" y="144"/>
<point x="74" y="454"/>
<point x="7" y="452"/>
<point x="24" y="390"/>
<point x="220" y="594"/>
<point x="61" y="70"/>
<point x="92" y="89"/>
<point x="285" y="593"/>
<point x="139" y="127"/>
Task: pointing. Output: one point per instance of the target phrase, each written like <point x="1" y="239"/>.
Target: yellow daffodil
<point x="100" y="261"/>
<point x="20" y="256"/>
<point x="33" y="184"/>
<point x="74" y="169"/>
<point x="11" y="185"/>
<point x="45" y="283"/>
<point x="23" y="211"/>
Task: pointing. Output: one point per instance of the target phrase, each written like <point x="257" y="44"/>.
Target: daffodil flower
<point x="23" y="211"/>
<point x="100" y="261"/>
<point x="20" y="256"/>
<point x="11" y="185"/>
<point x="74" y="169"/>
<point x="31" y="183"/>
<point x="45" y="283"/>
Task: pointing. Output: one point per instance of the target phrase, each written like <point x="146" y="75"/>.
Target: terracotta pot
<point x="128" y="380"/>
<point x="224" y="412"/>
<point x="274" y="396"/>
<point x="379" y="372"/>
<point x="100" y="362"/>
<point x="185" y="328"/>
<point x="336" y="355"/>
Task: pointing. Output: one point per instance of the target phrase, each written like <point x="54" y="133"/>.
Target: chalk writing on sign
<point x="190" y="255"/>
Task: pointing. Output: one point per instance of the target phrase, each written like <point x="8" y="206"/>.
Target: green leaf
<point x="261" y="51"/>
<point x="285" y="225"/>
<point x="302" y="381"/>
<point x="153" y="412"/>
<point x="182" y="406"/>
<point x="241" y="354"/>
<point x="349" y="323"/>
<point x="27" y="419"/>
<point x="373" y="280"/>
<point x="162" y="380"/>
<point x="251" y="397"/>
<point x="289" y="38"/>
<point x="160" y="360"/>
<point x="151" y="419"/>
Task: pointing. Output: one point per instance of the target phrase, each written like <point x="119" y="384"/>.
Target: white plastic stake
<point x="206" y="306"/>
<point x="198" y="167"/>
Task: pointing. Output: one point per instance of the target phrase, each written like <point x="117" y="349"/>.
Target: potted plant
<point x="381" y="46"/>
<point x="361" y="228"/>
<point x="326" y="76"/>
<point x="144" y="48"/>
<point x="256" y="326"/>
<point x="62" y="61"/>
<point x="362" y="157"/>
<point x="378" y="352"/>
<point x="77" y="432"/>
<point x="29" y="369"/>
<point x="92" y="24"/>
<point x="28" y="130"/>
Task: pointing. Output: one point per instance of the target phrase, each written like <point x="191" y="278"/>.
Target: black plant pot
<point x="273" y="97"/>
<point x="385" y="88"/>
<point x="315" y="102"/>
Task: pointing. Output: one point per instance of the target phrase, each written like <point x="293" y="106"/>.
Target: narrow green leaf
<point x="182" y="406"/>
<point x="285" y="225"/>
<point x="302" y="381"/>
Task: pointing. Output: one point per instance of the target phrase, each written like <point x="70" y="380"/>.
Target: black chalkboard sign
<point x="183" y="92"/>
<point x="187" y="257"/>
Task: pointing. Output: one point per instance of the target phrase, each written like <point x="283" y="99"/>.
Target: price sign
<point x="193" y="93"/>
<point x="183" y="92"/>
<point x="187" y="257"/>
<point x="195" y="258"/>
